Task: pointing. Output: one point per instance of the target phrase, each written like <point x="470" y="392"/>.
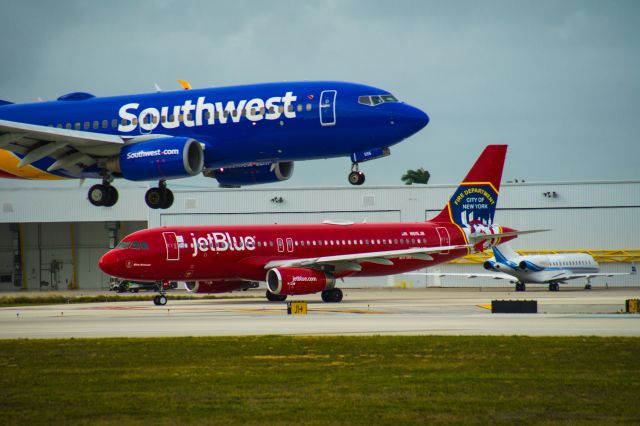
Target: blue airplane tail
<point x="5" y="102"/>
<point x="474" y="202"/>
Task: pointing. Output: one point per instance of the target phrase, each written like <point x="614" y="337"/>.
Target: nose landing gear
<point x="356" y="177"/>
<point x="160" y="197"/>
<point x="161" y="299"/>
<point x="103" y="194"/>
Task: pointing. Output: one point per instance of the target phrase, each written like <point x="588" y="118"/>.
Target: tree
<point x="416" y="176"/>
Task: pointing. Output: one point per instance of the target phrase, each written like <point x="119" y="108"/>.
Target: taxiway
<point x="363" y="311"/>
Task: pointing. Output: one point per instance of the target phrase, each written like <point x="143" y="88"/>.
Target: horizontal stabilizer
<point x="482" y="237"/>
<point x="5" y="102"/>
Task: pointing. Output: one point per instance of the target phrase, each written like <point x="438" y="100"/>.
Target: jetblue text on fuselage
<point x="203" y="112"/>
<point x="221" y="241"/>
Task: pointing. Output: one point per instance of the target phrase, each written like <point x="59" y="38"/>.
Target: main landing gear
<point x="103" y="194"/>
<point x="160" y="197"/>
<point x="161" y="299"/>
<point x="520" y="286"/>
<point x="554" y="287"/>
<point x="356" y="177"/>
<point x="332" y="296"/>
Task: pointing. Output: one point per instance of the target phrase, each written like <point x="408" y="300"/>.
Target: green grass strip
<point x="321" y="380"/>
<point x="9" y="301"/>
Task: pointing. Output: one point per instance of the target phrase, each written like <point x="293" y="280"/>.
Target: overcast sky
<point x="559" y="81"/>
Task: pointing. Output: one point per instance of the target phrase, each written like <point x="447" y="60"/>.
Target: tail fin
<point x="475" y="199"/>
<point x="504" y="252"/>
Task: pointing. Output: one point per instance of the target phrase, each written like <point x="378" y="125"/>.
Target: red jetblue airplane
<point x="305" y="259"/>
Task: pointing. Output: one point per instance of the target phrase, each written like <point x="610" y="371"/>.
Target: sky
<point x="557" y="81"/>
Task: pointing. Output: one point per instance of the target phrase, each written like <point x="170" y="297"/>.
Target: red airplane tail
<point x="475" y="199"/>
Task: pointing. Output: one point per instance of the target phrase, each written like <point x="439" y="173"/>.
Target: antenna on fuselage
<point x="158" y="89"/>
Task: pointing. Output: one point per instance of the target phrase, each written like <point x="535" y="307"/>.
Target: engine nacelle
<point x="491" y="266"/>
<point x="216" y="286"/>
<point x="294" y="281"/>
<point x="252" y="174"/>
<point x="162" y="158"/>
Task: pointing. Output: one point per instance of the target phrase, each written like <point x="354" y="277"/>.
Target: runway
<point x="363" y="312"/>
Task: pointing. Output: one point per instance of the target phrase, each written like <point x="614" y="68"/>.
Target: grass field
<point x="321" y="380"/>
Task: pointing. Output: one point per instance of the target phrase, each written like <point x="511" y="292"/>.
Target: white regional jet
<point x="551" y="269"/>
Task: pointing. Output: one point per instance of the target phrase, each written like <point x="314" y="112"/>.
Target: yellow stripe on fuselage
<point x="9" y="164"/>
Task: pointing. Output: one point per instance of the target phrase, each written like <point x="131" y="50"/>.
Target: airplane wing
<point x="574" y="276"/>
<point x="495" y="276"/>
<point x="72" y="149"/>
<point x="351" y="262"/>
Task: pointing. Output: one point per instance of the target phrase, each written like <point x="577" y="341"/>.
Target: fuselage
<point x="241" y="252"/>
<point x="547" y="268"/>
<point x="269" y="122"/>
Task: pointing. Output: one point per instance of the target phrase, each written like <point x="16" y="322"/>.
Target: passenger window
<point x="96" y="125"/>
<point x="59" y="126"/>
<point x="78" y="126"/>
<point x="114" y="123"/>
<point x="299" y="107"/>
<point x="105" y="124"/>
<point x="87" y="125"/>
<point x="189" y="117"/>
<point x="68" y="126"/>
<point x="308" y="107"/>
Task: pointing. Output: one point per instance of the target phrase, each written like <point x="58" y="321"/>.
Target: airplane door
<point x="280" y="242"/>
<point x="289" y="245"/>
<point x="171" y="242"/>
<point x="443" y="234"/>
<point x="328" y="107"/>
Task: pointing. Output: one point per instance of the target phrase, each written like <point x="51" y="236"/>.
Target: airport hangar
<point x="52" y="238"/>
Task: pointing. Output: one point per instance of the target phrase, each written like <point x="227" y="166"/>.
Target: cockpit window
<point x="136" y="245"/>
<point x="374" y="100"/>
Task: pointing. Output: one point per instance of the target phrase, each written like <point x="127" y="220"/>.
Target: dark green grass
<point x="9" y="301"/>
<point x="321" y="380"/>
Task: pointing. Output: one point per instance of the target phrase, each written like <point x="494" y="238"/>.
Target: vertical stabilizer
<point x="504" y="252"/>
<point x="474" y="202"/>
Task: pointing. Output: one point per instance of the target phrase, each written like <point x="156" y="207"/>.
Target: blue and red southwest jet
<point x="305" y="259"/>
<point x="238" y="135"/>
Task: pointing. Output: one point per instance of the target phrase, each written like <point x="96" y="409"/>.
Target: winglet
<point x="185" y="84"/>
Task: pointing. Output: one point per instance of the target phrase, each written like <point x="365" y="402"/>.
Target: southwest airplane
<point x="551" y="269"/>
<point x="305" y="259"/>
<point x="239" y="135"/>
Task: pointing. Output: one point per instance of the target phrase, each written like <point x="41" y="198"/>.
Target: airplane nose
<point x="108" y="263"/>
<point x="413" y="119"/>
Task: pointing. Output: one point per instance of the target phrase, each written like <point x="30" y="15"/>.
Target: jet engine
<point x="252" y="174"/>
<point x="491" y="266"/>
<point x="216" y="286"/>
<point x="162" y="158"/>
<point x="294" y="281"/>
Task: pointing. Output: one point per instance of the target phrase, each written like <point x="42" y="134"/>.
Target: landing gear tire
<point x="554" y="287"/>
<point x="160" y="300"/>
<point x="587" y="286"/>
<point x="112" y="198"/>
<point x="271" y="297"/>
<point x="159" y="198"/>
<point x="356" y="178"/>
<point x="332" y="296"/>
<point x="520" y="287"/>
